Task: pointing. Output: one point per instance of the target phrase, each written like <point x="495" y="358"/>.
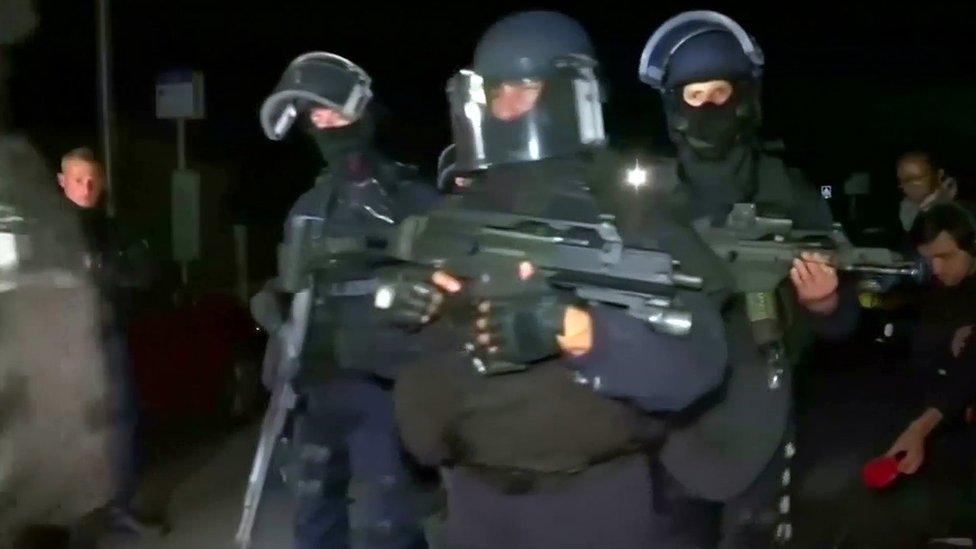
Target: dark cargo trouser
<point x="607" y="505"/>
<point x="747" y="521"/>
<point x="118" y="360"/>
<point x="354" y="487"/>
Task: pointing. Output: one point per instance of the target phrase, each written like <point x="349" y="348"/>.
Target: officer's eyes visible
<point x="527" y="85"/>
<point x="695" y="98"/>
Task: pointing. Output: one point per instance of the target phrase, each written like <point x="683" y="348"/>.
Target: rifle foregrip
<point x="690" y="282"/>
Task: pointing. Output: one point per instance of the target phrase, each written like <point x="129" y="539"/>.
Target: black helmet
<point x="549" y="52"/>
<point x="318" y="78"/>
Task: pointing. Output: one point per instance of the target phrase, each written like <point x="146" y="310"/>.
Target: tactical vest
<point x="344" y="333"/>
<point x="718" y="449"/>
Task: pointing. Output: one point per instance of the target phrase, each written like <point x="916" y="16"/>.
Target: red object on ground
<point x="880" y="472"/>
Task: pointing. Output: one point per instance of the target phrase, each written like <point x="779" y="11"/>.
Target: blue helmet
<point x="527" y="44"/>
<point x="699" y="45"/>
<point x="542" y="50"/>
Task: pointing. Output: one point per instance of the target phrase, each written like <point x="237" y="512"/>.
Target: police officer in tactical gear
<point x="553" y="455"/>
<point x="732" y="454"/>
<point x="709" y="73"/>
<point x="347" y="444"/>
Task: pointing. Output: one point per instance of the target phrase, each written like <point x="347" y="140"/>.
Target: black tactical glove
<point x="520" y="330"/>
<point x="407" y="296"/>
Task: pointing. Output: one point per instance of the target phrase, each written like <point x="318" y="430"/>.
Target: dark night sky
<point x="846" y="86"/>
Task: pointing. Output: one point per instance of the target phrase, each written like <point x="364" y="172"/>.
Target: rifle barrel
<point x="908" y="270"/>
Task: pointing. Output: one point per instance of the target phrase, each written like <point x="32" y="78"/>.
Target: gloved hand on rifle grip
<point x="522" y="330"/>
<point x="412" y="296"/>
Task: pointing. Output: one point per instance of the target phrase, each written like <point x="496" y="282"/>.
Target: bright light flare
<point x="636" y="176"/>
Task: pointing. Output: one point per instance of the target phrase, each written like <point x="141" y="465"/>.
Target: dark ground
<point x="852" y="407"/>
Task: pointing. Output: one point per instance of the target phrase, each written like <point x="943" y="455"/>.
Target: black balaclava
<point x="715" y="142"/>
<point x="343" y="148"/>
<point x="711" y="131"/>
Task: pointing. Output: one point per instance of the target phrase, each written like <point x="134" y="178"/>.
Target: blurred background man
<point x="82" y="182"/>
<point x="923" y="184"/>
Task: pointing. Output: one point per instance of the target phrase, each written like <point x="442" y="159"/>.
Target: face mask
<point x="710" y="130"/>
<point x="337" y="143"/>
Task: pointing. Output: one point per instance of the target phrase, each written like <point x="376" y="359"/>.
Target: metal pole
<point x="181" y="143"/>
<point x="181" y="165"/>
<point x="105" y="97"/>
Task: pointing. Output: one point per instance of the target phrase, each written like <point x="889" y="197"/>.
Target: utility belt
<point x="305" y="387"/>
<point x="346" y="334"/>
<point x="339" y="304"/>
<point x="515" y="480"/>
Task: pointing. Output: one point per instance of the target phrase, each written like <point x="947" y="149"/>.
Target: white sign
<point x="179" y="94"/>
